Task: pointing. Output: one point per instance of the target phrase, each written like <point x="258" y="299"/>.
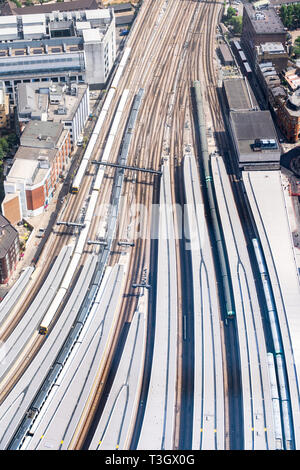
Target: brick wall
<point x="35" y="198"/>
<point x="11" y="209"/>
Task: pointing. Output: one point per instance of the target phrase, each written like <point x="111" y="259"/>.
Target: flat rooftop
<point x="248" y="126"/>
<point x="27" y="170"/>
<point x="226" y="53"/>
<point x="33" y="153"/>
<point x="122" y="7"/>
<point x="34" y="98"/>
<point x="61" y="25"/>
<point x="264" y="21"/>
<point x="266" y="198"/>
<point x="239" y="94"/>
<point x="273" y="47"/>
<point x="42" y="134"/>
<point x="254" y="125"/>
<point x="92" y="35"/>
<point x="75" y="5"/>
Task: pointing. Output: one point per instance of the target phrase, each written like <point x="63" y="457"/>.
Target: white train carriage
<point x="98" y="126"/>
<point x="121" y="67"/>
<point x="48" y="318"/>
<point x="275" y="402"/>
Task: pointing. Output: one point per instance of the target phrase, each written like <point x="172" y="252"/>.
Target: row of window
<point x="30" y="62"/>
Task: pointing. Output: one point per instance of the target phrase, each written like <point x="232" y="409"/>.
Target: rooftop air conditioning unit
<point x="61" y="110"/>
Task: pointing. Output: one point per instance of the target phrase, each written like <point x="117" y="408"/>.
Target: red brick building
<point x="288" y="117"/>
<point x="9" y="249"/>
<point x="259" y="27"/>
<point x="44" y="155"/>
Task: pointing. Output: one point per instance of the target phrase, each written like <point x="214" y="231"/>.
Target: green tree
<point x="4" y="144"/>
<point x="236" y="22"/>
<point x="296" y="50"/>
<point x="297" y="15"/>
<point x="12" y="139"/>
<point x="230" y="13"/>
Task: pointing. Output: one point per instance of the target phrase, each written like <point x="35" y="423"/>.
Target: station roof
<point x="267" y="200"/>
<point x="8" y="20"/>
<point x="8" y="32"/>
<point x="239" y="95"/>
<point x="277" y="3"/>
<point x="254" y="125"/>
<point x="33" y="19"/>
<point x="226" y="54"/>
<point x="247" y="127"/>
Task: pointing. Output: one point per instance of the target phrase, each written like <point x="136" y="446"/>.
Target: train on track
<point x="78" y="250"/>
<point x="217" y="229"/>
<point x="91" y="300"/>
<point x="56" y="368"/>
<point x="43" y="328"/>
<point x="98" y="126"/>
<point x="242" y="59"/>
<point x="278" y="350"/>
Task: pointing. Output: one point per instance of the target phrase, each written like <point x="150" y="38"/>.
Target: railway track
<point x="153" y="141"/>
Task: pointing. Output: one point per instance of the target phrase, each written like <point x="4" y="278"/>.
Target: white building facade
<point x="77" y="46"/>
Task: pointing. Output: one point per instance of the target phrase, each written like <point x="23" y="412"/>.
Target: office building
<point x="42" y="158"/>
<point x="54" y="102"/>
<point x="9" y="249"/>
<point x="273" y="52"/>
<point x="270" y="83"/>
<point x="260" y="26"/>
<point x="76" y="46"/>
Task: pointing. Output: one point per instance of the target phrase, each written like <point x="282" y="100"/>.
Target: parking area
<point x="237" y="5"/>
